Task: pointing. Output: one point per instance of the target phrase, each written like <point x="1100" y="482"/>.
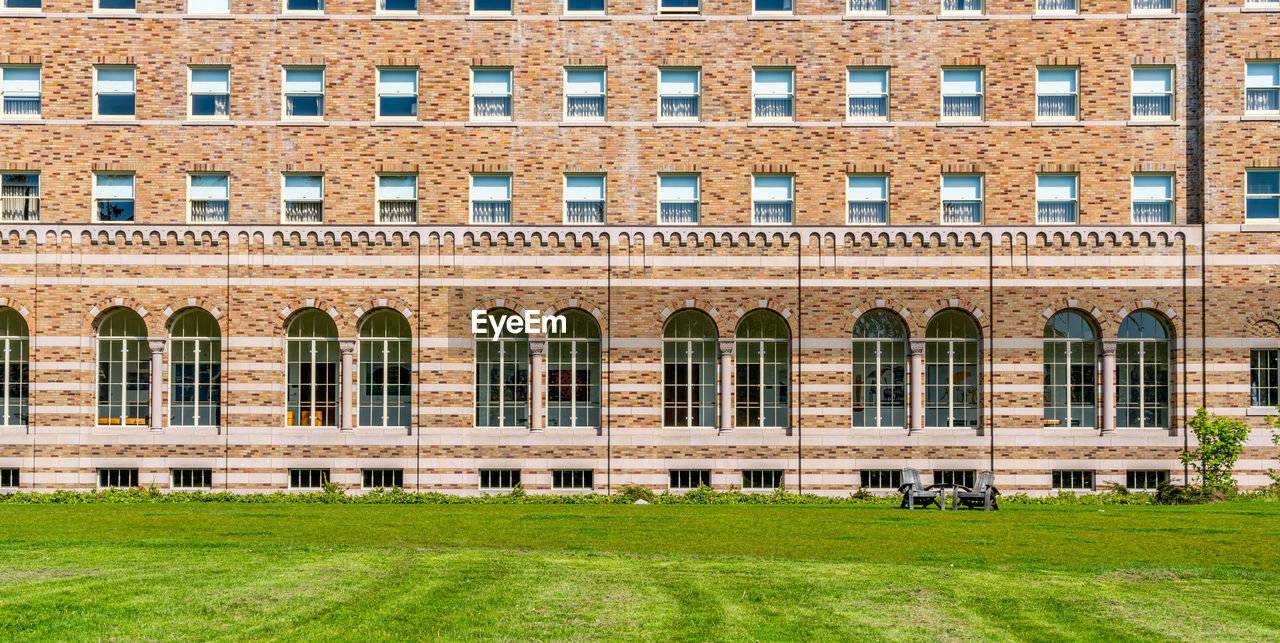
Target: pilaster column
<point x="915" y="349"/>
<point x="726" y="385"/>
<point x="157" y="383"/>
<point x="537" y="361"/>
<point x="1108" y="349"/>
<point x="346" y="399"/>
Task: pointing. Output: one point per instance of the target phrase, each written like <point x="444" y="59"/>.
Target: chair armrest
<point x="904" y="488"/>
<point x="994" y="491"/>
<point x="961" y="487"/>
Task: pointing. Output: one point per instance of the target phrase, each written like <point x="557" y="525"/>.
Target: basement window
<point x="762" y="479"/>
<point x="382" y="478"/>
<point x="499" y="479"/>
<point x="1073" y="480"/>
<point x="880" y="479"/>
<point x="573" y="479"/>
<point x="9" y="478"/>
<point x="308" y="478"/>
<point x="117" y="478"/>
<point x="1145" y="480"/>
<point x="191" y="478"/>
<point x="954" y="477"/>
<point x="689" y="478"/>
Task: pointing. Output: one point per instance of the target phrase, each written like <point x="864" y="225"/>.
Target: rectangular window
<point x="584" y="6"/>
<point x="678" y="198"/>
<point x="1057" y="6"/>
<point x="1056" y="198"/>
<point x="573" y="479"/>
<point x="499" y="479"/>
<point x="1153" y="93"/>
<point x="398" y="93"/>
<point x="584" y="94"/>
<point x="491" y="94"/>
<point x="762" y="479"/>
<point x="382" y="478"/>
<point x="1264" y="377"/>
<point x="303" y="198"/>
<point x="20" y="197"/>
<point x="867" y="90"/>
<point x="584" y="198"/>
<point x="208" y="6"/>
<point x="1153" y="6"/>
<point x="191" y="478"/>
<point x="397" y="198"/>
<point x="772" y="198"/>
<point x="22" y="4"/>
<point x="115" y="5"/>
<point x="1262" y="195"/>
<point x="117" y="478"/>
<point x="304" y="93"/>
<point x="969" y="7"/>
<point x="397" y="6"/>
<point x="308" y="478"/>
<point x="963" y="478"/>
<point x="1262" y="88"/>
<point x="688" y="478"/>
<point x="9" y="478"/>
<point x="962" y="94"/>
<point x="1057" y="93"/>
<point x="498" y="7"/>
<point x="209" y="198"/>
<point x="113" y="197"/>
<point x="772" y="6"/>
<point x="961" y="199"/>
<point x="20" y="91"/>
<point x="490" y="198"/>
<point x="678" y="6"/>
<point x="868" y="6"/>
<point x="210" y="92"/>
<point x="1073" y="480"/>
<point x="880" y="479"/>
<point x="114" y="92"/>
<point x="303" y="6"/>
<point x="868" y="199"/>
<point x="1152" y="198"/>
<point x="679" y="94"/>
<point x="1145" y="480"/>
<point x="773" y="94"/>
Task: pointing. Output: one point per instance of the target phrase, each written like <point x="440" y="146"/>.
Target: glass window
<point x="678" y="6"/>
<point x="386" y="381"/>
<point x="209" y="198"/>
<point x="491" y="6"/>
<point x="868" y="199"/>
<point x="491" y="94"/>
<point x="678" y="198"/>
<point x="1073" y="480"/>
<point x="116" y="5"/>
<point x="1056" y="198"/>
<point x="115" y="93"/>
<point x="961" y="6"/>
<point x="584" y="94"/>
<point x="14" y="370"/>
<point x="21" y="4"/>
<point x="1262" y="88"/>
<point x="773" y="6"/>
<point x="868" y="6"/>
<point x="210" y="90"/>
<point x="20" y="197"/>
<point x="763" y="378"/>
<point x="312" y="363"/>
<point x="1153" y="6"/>
<point x="398" y="6"/>
<point x="584" y="198"/>
<point x="1264" y="377"/>
<point x="1152" y="198"/>
<point x="961" y="198"/>
<point x="772" y="198"/>
<point x="308" y="478"/>
<point x="1262" y="195"/>
<point x="953" y="477"/>
<point x="20" y="91"/>
<point x="773" y="94"/>
<point x="303" y="198"/>
<point x="397" y="198"/>
<point x="499" y="479"/>
<point x="573" y="372"/>
<point x="502" y="377"/>
<point x="397" y="93"/>
<point x="1057" y="6"/>
<point x="880" y="479"/>
<point x="117" y="478"/>
<point x="766" y="479"/>
<point x="686" y="478"/>
<point x="382" y="478"/>
<point x="304" y="92"/>
<point x="962" y="94"/>
<point x="208" y="6"/>
<point x="1142" y="372"/>
<point x="124" y="370"/>
<point x="953" y="371"/>
<point x="490" y="198"/>
<point x="1057" y="93"/>
<point x="191" y="478"/>
<point x="879" y="370"/>
<point x="195" y="369"/>
<point x="304" y="5"/>
<point x="679" y="94"/>
<point x="584" y="6"/>
<point x="1153" y="92"/>
<point x="1145" y="480"/>
<point x="113" y="197"/>
<point x="868" y="93"/>
<point x="1070" y="367"/>
<point x="689" y="354"/>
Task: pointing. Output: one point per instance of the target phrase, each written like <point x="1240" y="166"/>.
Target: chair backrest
<point x="912" y="477"/>
<point x="983" y="480"/>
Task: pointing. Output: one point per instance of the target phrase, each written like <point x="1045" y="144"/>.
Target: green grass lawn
<point x="202" y="571"/>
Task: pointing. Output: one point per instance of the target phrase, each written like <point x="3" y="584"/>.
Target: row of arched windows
<point x="762" y="351"/>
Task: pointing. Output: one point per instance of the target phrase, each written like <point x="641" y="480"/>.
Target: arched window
<point x="195" y="369"/>
<point x="313" y="370"/>
<point x="952" y="371"/>
<point x="502" y="376"/>
<point x="1070" y="365"/>
<point x="763" y="379"/>
<point x="13" y="368"/>
<point x="1142" y="372"/>
<point x="689" y="370"/>
<point x="385" y="377"/>
<point x="573" y="372"/>
<point x="124" y="369"/>
<point x="879" y="370"/>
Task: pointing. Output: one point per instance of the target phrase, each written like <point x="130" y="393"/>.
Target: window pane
<point x="1262" y="75"/>
<point x="1262" y="182"/>
<point x="397" y="187"/>
<point x="1147" y="80"/>
<point x="209" y="187"/>
<point x="114" y="186"/>
<point x="1152" y="187"/>
<point x="868" y="81"/>
<point x="22" y="79"/>
<point x="303" y="187"/>
<point x="490" y="188"/>
<point x="115" y="79"/>
<point x="771" y="188"/>
<point x="962" y="81"/>
<point x="584" y="81"/>
<point x="773" y="81"/>
<point x="398" y="81"/>
<point x="304" y="81"/>
<point x="1055" y="187"/>
<point x="209" y="6"/>
<point x="209" y="81"/>
<point x="678" y="188"/>
<point x="491" y="81"/>
<point x="493" y="5"/>
<point x="584" y="188"/>
<point x="962" y="188"/>
<point x="1057" y="81"/>
<point x="868" y="188"/>
<point x="683" y="82"/>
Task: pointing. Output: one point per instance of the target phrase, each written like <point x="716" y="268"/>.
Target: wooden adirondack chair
<point x="914" y="492"/>
<point x="982" y="494"/>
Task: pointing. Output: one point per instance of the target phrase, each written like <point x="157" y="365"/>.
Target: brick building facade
<point x="802" y="246"/>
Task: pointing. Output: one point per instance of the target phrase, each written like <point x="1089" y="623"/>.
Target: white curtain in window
<point x="867" y="188"/>
<point x="209" y="187"/>
<point x="304" y="81"/>
<point x="398" y="81"/>
<point x="962" y="188"/>
<point x="771" y="188"/>
<point x="209" y="81"/>
<point x="398" y="188"/>
<point x="774" y="81"/>
<point x="1152" y="187"/>
<point x="115" y="186"/>
<point x="491" y="188"/>
<point x="962" y="81"/>
<point x="1056" y="188"/>
<point x="1152" y="80"/>
<point x="678" y="82"/>
<point x="115" y="80"/>
<point x="303" y="187"/>
<point x="584" y="82"/>
<point x="678" y="188"/>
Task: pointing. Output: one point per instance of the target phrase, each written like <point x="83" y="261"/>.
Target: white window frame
<point x="1264" y="195"/>
<point x="377" y="197"/>
<point x="284" y="93"/>
<point x="377" y="93"/>
<point x="1173" y="202"/>
<point x="848" y="197"/>
<point x="591" y="12"/>
<point x="755" y="95"/>
<point x="284" y="9"/>
<point x="784" y="12"/>
<point x="188" y="9"/>
<point x="511" y="197"/>
<point x="604" y="193"/>
<point x="380" y="9"/>
<point x="190" y="176"/>
<point x="604" y="78"/>
<point x="283" y="219"/>
<point x="982" y="198"/>
<point x="1074" y="10"/>
<point x="93" y="202"/>
<point x="476" y="12"/>
<point x="1173" y="7"/>
<point x="791" y="191"/>
<point x="848" y="93"/>
<point x="1172" y="93"/>
<point x="944" y="11"/>
<point x="39" y="93"/>
<point x="1075" y="201"/>
<point x="982" y="96"/>
<point x="7" y="9"/>
<point x="191" y="95"/>
<point x="1273" y="88"/>
<point x="697" y="203"/>
<point x="679" y="10"/>
<point x="1076" y="94"/>
<point x="113" y="117"/>
<point x="97" y="8"/>
<point x="511" y="96"/>
<point x="849" y="10"/>
<point x="36" y="198"/>
<point x="679" y="119"/>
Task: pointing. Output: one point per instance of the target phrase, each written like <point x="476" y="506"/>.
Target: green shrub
<point x="1220" y="441"/>
<point x="634" y="492"/>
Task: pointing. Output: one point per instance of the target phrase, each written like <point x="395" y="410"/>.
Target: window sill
<point x="298" y="15"/>
<point x="1160" y="123"/>
<point x="1260" y="227"/>
<point x="962" y="124"/>
<point x="119" y="15"/>
<point x="404" y="122"/>
<point x="208" y="16"/>
<point x="678" y="124"/>
<point x="589" y="17"/>
<point x="772" y="16"/>
<point x="880" y="123"/>
<point x="1057" y="16"/>
<point x="1260" y="117"/>
<point x="302" y="123"/>
<point x="962" y="16"/>
<point x="495" y="16"/>
<point x="114" y="121"/>
<point x="773" y="124"/>
<point x="19" y="120"/>
<point x="680" y="16"/>
<point x="1248" y="9"/>
<point x="583" y="124"/>
<point x="397" y="15"/>
<point x="1057" y="124"/>
<point x="490" y="124"/>
<point x="1152" y="16"/>
<point x="196" y="122"/>
<point x="867" y="16"/>
<point x="1261" y="411"/>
